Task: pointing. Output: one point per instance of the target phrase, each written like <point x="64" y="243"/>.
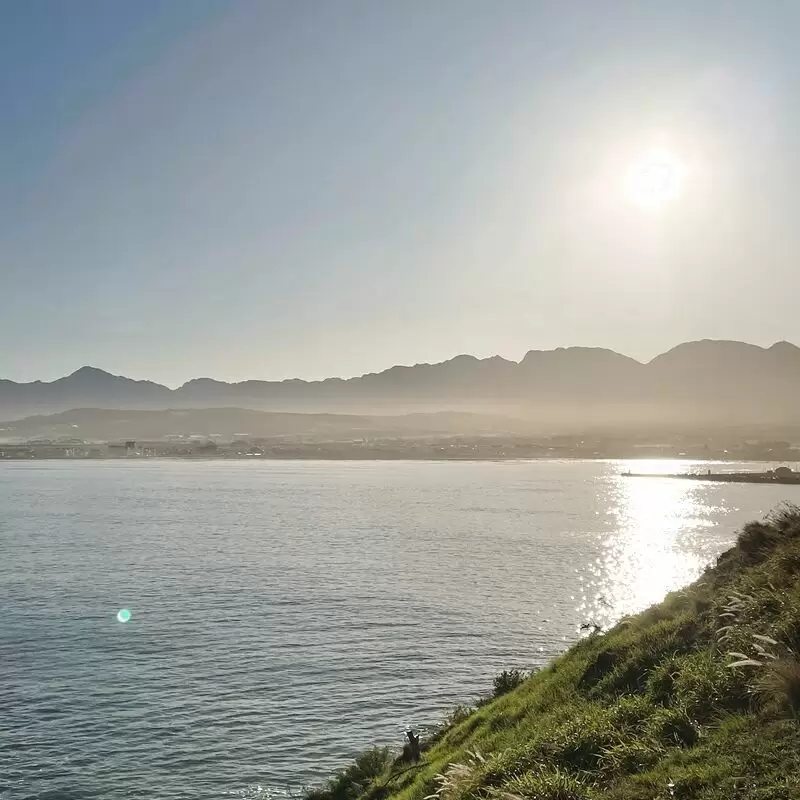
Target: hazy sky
<point x="270" y="189"/>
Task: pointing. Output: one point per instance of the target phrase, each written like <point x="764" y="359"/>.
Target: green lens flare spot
<point x="123" y="615"/>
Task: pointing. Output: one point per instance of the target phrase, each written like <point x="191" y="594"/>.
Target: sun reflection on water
<point x="654" y="543"/>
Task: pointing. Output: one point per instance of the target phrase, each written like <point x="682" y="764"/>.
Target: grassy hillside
<point x="697" y="697"/>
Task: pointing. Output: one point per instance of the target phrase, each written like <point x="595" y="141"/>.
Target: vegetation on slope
<point x="697" y="697"/>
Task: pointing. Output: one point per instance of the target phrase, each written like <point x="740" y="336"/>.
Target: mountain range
<point x="700" y="382"/>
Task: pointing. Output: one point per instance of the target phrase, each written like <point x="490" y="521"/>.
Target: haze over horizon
<point x="702" y="383"/>
<point x="275" y="190"/>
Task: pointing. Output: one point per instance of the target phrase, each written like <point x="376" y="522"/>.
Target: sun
<point x="654" y="181"/>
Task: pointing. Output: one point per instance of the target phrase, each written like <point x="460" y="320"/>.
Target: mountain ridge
<point x="707" y="379"/>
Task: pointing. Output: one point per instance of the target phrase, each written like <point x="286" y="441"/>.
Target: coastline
<point x="696" y="697"/>
<point x="421" y="458"/>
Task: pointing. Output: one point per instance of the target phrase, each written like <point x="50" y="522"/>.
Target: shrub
<point x="352" y="781"/>
<point x="458" y="715"/>
<point x="507" y="681"/>
<point x="786" y="519"/>
<point x="778" y="685"/>
<point x="755" y="540"/>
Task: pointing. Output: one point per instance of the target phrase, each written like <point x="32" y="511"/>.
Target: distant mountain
<point x="708" y="381"/>
<point x="87" y="387"/>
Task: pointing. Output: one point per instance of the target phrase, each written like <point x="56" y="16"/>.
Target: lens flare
<point x="123" y="615"/>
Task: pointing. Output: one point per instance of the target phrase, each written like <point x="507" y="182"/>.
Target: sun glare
<point x="654" y="181"/>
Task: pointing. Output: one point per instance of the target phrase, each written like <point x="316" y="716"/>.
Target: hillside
<point x="696" y="698"/>
<point x="100" y="424"/>
<point x="705" y="382"/>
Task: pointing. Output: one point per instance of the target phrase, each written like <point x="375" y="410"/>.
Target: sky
<point x="264" y="189"/>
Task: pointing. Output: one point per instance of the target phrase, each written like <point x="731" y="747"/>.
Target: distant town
<point x="450" y="447"/>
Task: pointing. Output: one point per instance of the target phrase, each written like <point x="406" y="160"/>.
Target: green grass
<point x="650" y="710"/>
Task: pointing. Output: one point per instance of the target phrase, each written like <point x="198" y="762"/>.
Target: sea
<point x="285" y="615"/>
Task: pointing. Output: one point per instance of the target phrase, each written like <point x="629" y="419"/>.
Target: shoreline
<point x="767" y="478"/>
<point x="720" y="477"/>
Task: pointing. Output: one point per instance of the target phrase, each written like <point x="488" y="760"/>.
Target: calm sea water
<point x="285" y="615"/>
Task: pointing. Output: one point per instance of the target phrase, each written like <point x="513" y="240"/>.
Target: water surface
<point x="287" y="614"/>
